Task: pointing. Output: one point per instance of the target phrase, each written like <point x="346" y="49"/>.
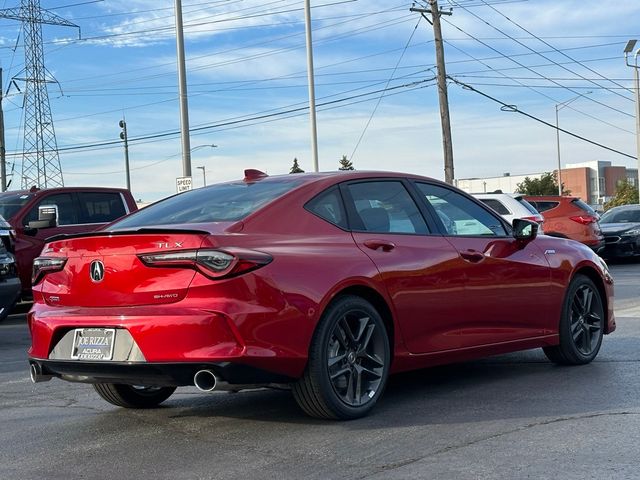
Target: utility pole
<point x="312" y="88"/>
<point x="443" y="97"/>
<point x="182" y="90"/>
<point x="125" y="138"/>
<point x="3" y="150"/>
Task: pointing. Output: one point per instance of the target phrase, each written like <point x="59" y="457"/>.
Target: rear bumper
<point x="153" y="374"/>
<point x="175" y="335"/>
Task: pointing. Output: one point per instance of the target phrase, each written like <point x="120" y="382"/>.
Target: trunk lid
<point x="103" y="270"/>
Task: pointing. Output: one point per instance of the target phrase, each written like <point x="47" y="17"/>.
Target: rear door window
<point x="385" y="207"/>
<point x="543" y="205"/>
<point x="101" y="207"/>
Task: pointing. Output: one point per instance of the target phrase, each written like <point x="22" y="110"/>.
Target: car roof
<point x="632" y="206"/>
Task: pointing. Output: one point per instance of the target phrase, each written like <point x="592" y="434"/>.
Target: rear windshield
<point x="10" y="203"/>
<point x="527" y="205"/>
<point x="225" y="202"/>
<point x="621" y="216"/>
<point x="579" y="203"/>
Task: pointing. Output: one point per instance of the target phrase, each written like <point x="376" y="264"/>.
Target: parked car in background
<point x="511" y="206"/>
<point x="77" y="209"/>
<point x="569" y="217"/>
<point x="9" y="282"/>
<point x="325" y="282"/>
<point x="621" y="229"/>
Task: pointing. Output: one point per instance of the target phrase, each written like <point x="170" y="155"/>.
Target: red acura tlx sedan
<point x="326" y="283"/>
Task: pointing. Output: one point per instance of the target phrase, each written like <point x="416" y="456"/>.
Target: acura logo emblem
<point x="96" y="271"/>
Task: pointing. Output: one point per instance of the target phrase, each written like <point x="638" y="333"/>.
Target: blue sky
<point x="246" y="66"/>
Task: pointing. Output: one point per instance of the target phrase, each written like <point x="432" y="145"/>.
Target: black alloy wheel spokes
<point x="356" y="358"/>
<point x="586" y="320"/>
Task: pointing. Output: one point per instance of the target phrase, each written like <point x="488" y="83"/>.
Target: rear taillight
<point x="45" y="265"/>
<point x="584" y="219"/>
<point x="211" y="263"/>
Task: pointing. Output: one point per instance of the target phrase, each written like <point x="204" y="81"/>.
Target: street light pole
<point x="560" y="106"/>
<point x="637" y="89"/>
<point x="204" y="176"/>
<point x="629" y="47"/>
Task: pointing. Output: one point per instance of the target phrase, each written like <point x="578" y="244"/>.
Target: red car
<point x="569" y="217"/>
<point x="325" y="282"/>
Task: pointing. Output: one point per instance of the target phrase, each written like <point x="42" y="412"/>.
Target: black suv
<point x="9" y="280"/>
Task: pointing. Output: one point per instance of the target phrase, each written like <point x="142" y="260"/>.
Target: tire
<point x="348" y="363"/>
<point x="131" y="396"/>
<point x="581" y="325"/>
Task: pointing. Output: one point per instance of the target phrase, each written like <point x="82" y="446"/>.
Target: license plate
<point x="93" y="344"/>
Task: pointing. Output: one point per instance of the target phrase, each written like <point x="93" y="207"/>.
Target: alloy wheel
<point x="586" y="320"/>
<point x="356" y="358"/>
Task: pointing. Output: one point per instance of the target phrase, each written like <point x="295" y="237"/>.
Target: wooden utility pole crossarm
<point x="443" y="96"/>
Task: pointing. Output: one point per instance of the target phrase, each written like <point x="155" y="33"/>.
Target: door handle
<point x="377" y="244"/>
<point x="472" y="256"/>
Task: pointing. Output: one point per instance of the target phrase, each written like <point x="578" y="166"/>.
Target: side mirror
<point x="524" y="230"/>
<point x="47" y="217"/>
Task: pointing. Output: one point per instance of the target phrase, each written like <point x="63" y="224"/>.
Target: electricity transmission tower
<point x="40" y="161"/>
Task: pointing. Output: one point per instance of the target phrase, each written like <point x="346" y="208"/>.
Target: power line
<point x="558" y="51"/>
<point x="173" y="133"/>
<point x="514" y="108"/>
<point x="375" y="108"/>
<point x="510" y="58"/>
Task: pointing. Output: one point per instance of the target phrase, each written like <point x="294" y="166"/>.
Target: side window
<point x="459" y="215"/>
<point x="496" y="205"/>
<point x="101" y="207"/>
<point x="543" y="206"/>
<point x="385" y="207"/>
<point x="328" y="206"/>
<point x="67" y="211"/>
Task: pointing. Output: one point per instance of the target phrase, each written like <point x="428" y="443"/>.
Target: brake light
<point x="585" y="219"/>
<point x="44" y="265"/>
<point x="211" y="263"/>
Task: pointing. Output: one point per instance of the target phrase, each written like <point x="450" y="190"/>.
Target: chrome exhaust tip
<point x="35" y="372"/>
<point x="205" y="380"/>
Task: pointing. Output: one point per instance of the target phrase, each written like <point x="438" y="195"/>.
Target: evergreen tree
<point x="295" y="168"/>
<point x="345" y="164"/>
<point x="626" y="194"/>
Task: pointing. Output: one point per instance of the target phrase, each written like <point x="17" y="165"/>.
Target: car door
<point x="507" y="282"/>
<point x="415" y="265"/>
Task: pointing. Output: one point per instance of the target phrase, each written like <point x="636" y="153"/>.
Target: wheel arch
<point x="379" y="303"/>
<point x="593" y="275"/>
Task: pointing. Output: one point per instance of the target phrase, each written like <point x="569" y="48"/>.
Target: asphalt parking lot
<point x="513" y="416"/>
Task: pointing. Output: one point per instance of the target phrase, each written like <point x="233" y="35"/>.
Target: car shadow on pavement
<point x="522" y="385"/>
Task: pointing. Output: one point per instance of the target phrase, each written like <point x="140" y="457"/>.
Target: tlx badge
<point x="96" y="271"/>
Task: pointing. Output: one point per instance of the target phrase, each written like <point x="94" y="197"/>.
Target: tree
<point x="295" y="168"/>
<point x="345" y="163"/>
<point x="545" y="185"/>
<point x="626" y="194"/>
